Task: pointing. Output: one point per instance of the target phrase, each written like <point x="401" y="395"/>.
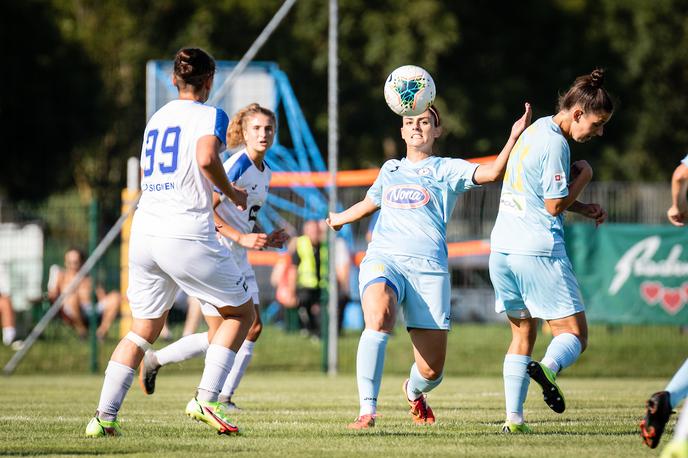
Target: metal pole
<point x="252" y="51"/>
<point x="332" y="141"/>
<point x="92" y="318"/>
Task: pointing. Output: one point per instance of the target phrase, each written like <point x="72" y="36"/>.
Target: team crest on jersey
<point x="424" y="171"/>
<point x="406" y="196"/>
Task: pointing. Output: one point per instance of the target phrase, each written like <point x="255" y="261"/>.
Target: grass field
<point x="474" y="350"/>
<point x="305" y="414"/>
<point x="291" y="409"/>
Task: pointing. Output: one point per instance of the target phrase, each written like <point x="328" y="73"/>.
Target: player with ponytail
<point x="530" y="270"/>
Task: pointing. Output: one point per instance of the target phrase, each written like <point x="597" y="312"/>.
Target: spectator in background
<point x="9" y="332"/>
<point x="309" y="255"/>
<point x="77" y="305"/>
<point x="283" y="279"/>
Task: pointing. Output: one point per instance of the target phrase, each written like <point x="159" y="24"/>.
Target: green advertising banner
<point x="631" y="273"/>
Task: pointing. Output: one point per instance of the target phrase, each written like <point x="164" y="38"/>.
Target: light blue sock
<point x="516" y="381"/>
<point x="418" y="384"/>
<point x="370" y="361"/>
<point x="678" y="386"/>
<point x="562" y="351"/>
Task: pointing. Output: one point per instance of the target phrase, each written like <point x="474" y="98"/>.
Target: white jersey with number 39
<point x="176" y="198"/>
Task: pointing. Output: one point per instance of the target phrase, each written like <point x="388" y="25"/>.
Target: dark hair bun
<point x="193" y="66"/>
<point x="597" y="78"/>
<point x="185" y="67"/>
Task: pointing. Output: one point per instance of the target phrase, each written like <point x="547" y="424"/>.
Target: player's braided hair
<point x="589" y="93"/>
<point x="235" y="131"/>
<point x="193" y="66"/>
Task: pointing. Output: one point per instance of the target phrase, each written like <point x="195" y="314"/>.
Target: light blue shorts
<point x="422" y="286"/>
<point x="544" y="286"/>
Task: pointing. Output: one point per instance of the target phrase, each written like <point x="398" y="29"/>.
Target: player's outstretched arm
<point x="354" y="213"/>
<point x="494" y="171"/>
<point x="209" y="162"/>
<point x="678" y="211"/>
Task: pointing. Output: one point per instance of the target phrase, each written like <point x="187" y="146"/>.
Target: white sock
<point x="8" y="335"/>
<point x="562" y="351"/>
<point x="218" y="362"/>
<point x="243" y="358"/>
<point x="185" y="348"/>
<point x="117" y="382"/>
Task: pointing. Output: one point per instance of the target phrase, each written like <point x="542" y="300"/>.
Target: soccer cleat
<point x="212" y="414"/>
<point x="515" y="428"/>
<point x="675" y="449"/>
<point x="148" y="372"/>
<point x="101" y="428"/>
<point x="420" y="410"/>
<point x="657" y="413"/>
<point x="362" y="422"/>
<point x="546" y="378"/>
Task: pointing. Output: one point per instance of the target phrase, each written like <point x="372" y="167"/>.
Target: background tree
<point x="73" y="109"/>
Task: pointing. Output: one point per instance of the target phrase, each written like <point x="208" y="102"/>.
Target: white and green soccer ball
<point x="409" y="90"/>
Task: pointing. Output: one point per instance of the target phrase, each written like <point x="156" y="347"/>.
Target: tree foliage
<point x="74" y="106"/>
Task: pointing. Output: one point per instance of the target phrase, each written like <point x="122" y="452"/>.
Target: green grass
<point x="305" y="415"/>
<point x="474" y="350"/>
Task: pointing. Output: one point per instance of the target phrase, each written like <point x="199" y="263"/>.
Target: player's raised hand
<point x="676" y="216"/>
<point x="253" y="241"/>
<point x="522" y="123"/>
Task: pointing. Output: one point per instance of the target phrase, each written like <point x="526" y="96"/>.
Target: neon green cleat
<point x="546" y="378"/>
<point x="101" y="428"/>
<point x="515" y="428"/>
<point x="213" y="414"/>
<point x="675" y="449"/>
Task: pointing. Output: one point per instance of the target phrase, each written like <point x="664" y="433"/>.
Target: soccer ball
<point x="409" y="90"/>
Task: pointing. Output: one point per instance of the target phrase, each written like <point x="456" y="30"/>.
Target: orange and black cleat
<point x="657" y="413"/>
<point x="420" y="410"/>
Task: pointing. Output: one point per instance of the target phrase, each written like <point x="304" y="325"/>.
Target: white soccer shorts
<point x="159" y="266"/>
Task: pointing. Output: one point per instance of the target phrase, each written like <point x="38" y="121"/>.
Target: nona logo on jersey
<point x="406" y="196"/>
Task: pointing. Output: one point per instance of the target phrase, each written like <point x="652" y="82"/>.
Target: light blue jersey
<point x="416" y="201"/>
<point x="537" y="170"/>
<point x="685" y="161"/>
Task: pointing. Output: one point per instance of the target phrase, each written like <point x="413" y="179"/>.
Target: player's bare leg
<point x="429" y="351"/>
